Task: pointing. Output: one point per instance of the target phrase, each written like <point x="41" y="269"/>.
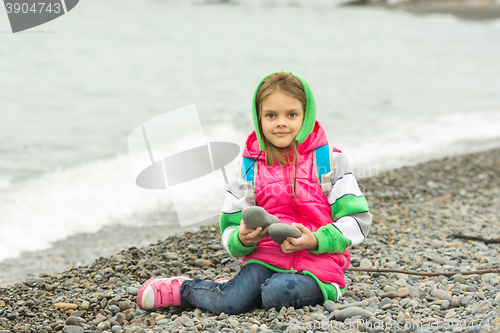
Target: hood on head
<point x="310" y="111"/>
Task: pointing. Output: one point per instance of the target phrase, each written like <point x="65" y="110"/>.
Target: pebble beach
<point x="415" y="210"/>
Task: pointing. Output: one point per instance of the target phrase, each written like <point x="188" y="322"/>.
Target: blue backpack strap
<point x="322" y="161"/>
<point x="247" y="180"/>
<point x="246" y="173"/>
<point x="323" y="166"/>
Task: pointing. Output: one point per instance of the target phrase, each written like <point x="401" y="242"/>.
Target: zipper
<point x="294" y="206"/>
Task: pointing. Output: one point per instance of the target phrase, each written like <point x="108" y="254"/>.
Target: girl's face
<point x="281" y="118"/>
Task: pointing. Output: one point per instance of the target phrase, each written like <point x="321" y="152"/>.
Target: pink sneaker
<point x="160" y="293"/>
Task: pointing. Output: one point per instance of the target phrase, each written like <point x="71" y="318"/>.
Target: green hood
<point x="310" y="112"/>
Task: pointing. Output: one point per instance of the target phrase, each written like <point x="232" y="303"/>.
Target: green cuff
<point x="236" y="249"/>
<point x="229" y="220"/>
<point x="330" y="240"/>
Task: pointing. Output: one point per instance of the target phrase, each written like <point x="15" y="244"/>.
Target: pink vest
<point x="274" y="192"/>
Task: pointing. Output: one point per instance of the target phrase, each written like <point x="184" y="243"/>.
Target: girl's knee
<point x="284" y="290"/>
<point x="278" y="292"/>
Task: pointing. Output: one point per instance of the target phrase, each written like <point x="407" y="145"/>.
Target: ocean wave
<point x="36" y="212"/>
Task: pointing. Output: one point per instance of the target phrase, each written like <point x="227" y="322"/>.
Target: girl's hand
<point x="306" y="241"/>
<point x="249" y="237"/>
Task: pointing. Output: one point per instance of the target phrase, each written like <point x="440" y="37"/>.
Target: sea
<point x="392" y="89"/>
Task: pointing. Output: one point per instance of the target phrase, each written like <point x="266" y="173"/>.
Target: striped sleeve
<point x="230" y="218"/>
<point x="349" y="208"/>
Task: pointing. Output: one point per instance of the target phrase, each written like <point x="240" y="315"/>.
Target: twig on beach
<point x="389" y="270"/>
<point x="480" y="239"/>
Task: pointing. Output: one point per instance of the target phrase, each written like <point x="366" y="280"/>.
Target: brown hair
<point x="291" y="86"/>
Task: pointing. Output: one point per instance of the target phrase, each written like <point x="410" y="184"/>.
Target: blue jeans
<point x="254" y="285"/>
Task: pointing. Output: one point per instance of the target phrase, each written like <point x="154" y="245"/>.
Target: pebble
<point x="278" y="232"/>
<point x="390" y="294"/>
<point x="180" y="321"/>
<point x="72" y="329"/>
<point x="328" y="305"/>
<point x="116" y="328"/>
<point x="124" y="306"/>
<point x="170" y="255"/>
<point x="441" y="294"/>
<point x="132" y="290"/>
<point x="365" y="263"/>
<point x="458" y="278"/>
<point x="64" y="305"/>
<point x="342" y="315"/>
<point x="450" y="314"/>
<point x="439" y="260"/>
<point x="466" y="300"/>
<point x="72" y="321"/>
<point x="99" y="320"/>
<point x="348" y="305"/>
<point x="403" y="292"/>
<point x="255" y="216"/>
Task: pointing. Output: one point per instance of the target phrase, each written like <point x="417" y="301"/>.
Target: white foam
<point x="83" y="199"/>
<point x="5" y="182"/>
<point x="398" y="142"/>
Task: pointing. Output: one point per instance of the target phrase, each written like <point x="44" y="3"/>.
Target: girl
<point x="301" y="271"/>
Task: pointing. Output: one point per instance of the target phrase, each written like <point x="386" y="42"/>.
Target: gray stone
<point x="351" y="312"/>
<point x="365" y="263"/>
<point x="389" y="288"/>
<point x="458" y="278"/>
<point x="255" y="216"/>
<point x="349" y="305"/>
<point x="132" y="290"/>
<point x="466" y="300"/>
<point x="180" y="321"/>
<point x="72" y="320"/>
<point x="471" y="289"/>
<point x="384" y="302"/>
<point x="479" y="306"/>
<point x="318" y="316"/>
<point x="81" y="314"/>
<point x="170" y="255"/>
<point x="390" y="294"/>
<point x="114" y="309"/>
<point x="72" y="329"/>
<point x="329" y="304"/>
<point x="482" y="246"/>
<point x="445" y="305"/>
<point x="413" y="292"/>
<point x="163" y="322"/>
<point x="116" y="328"/>
<point x="439" y="260"/>
<point x="99" y="320"/>
<point x="124" y="306"/>
<point x="441" y="294"/>
<point x="280" y="231"/>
